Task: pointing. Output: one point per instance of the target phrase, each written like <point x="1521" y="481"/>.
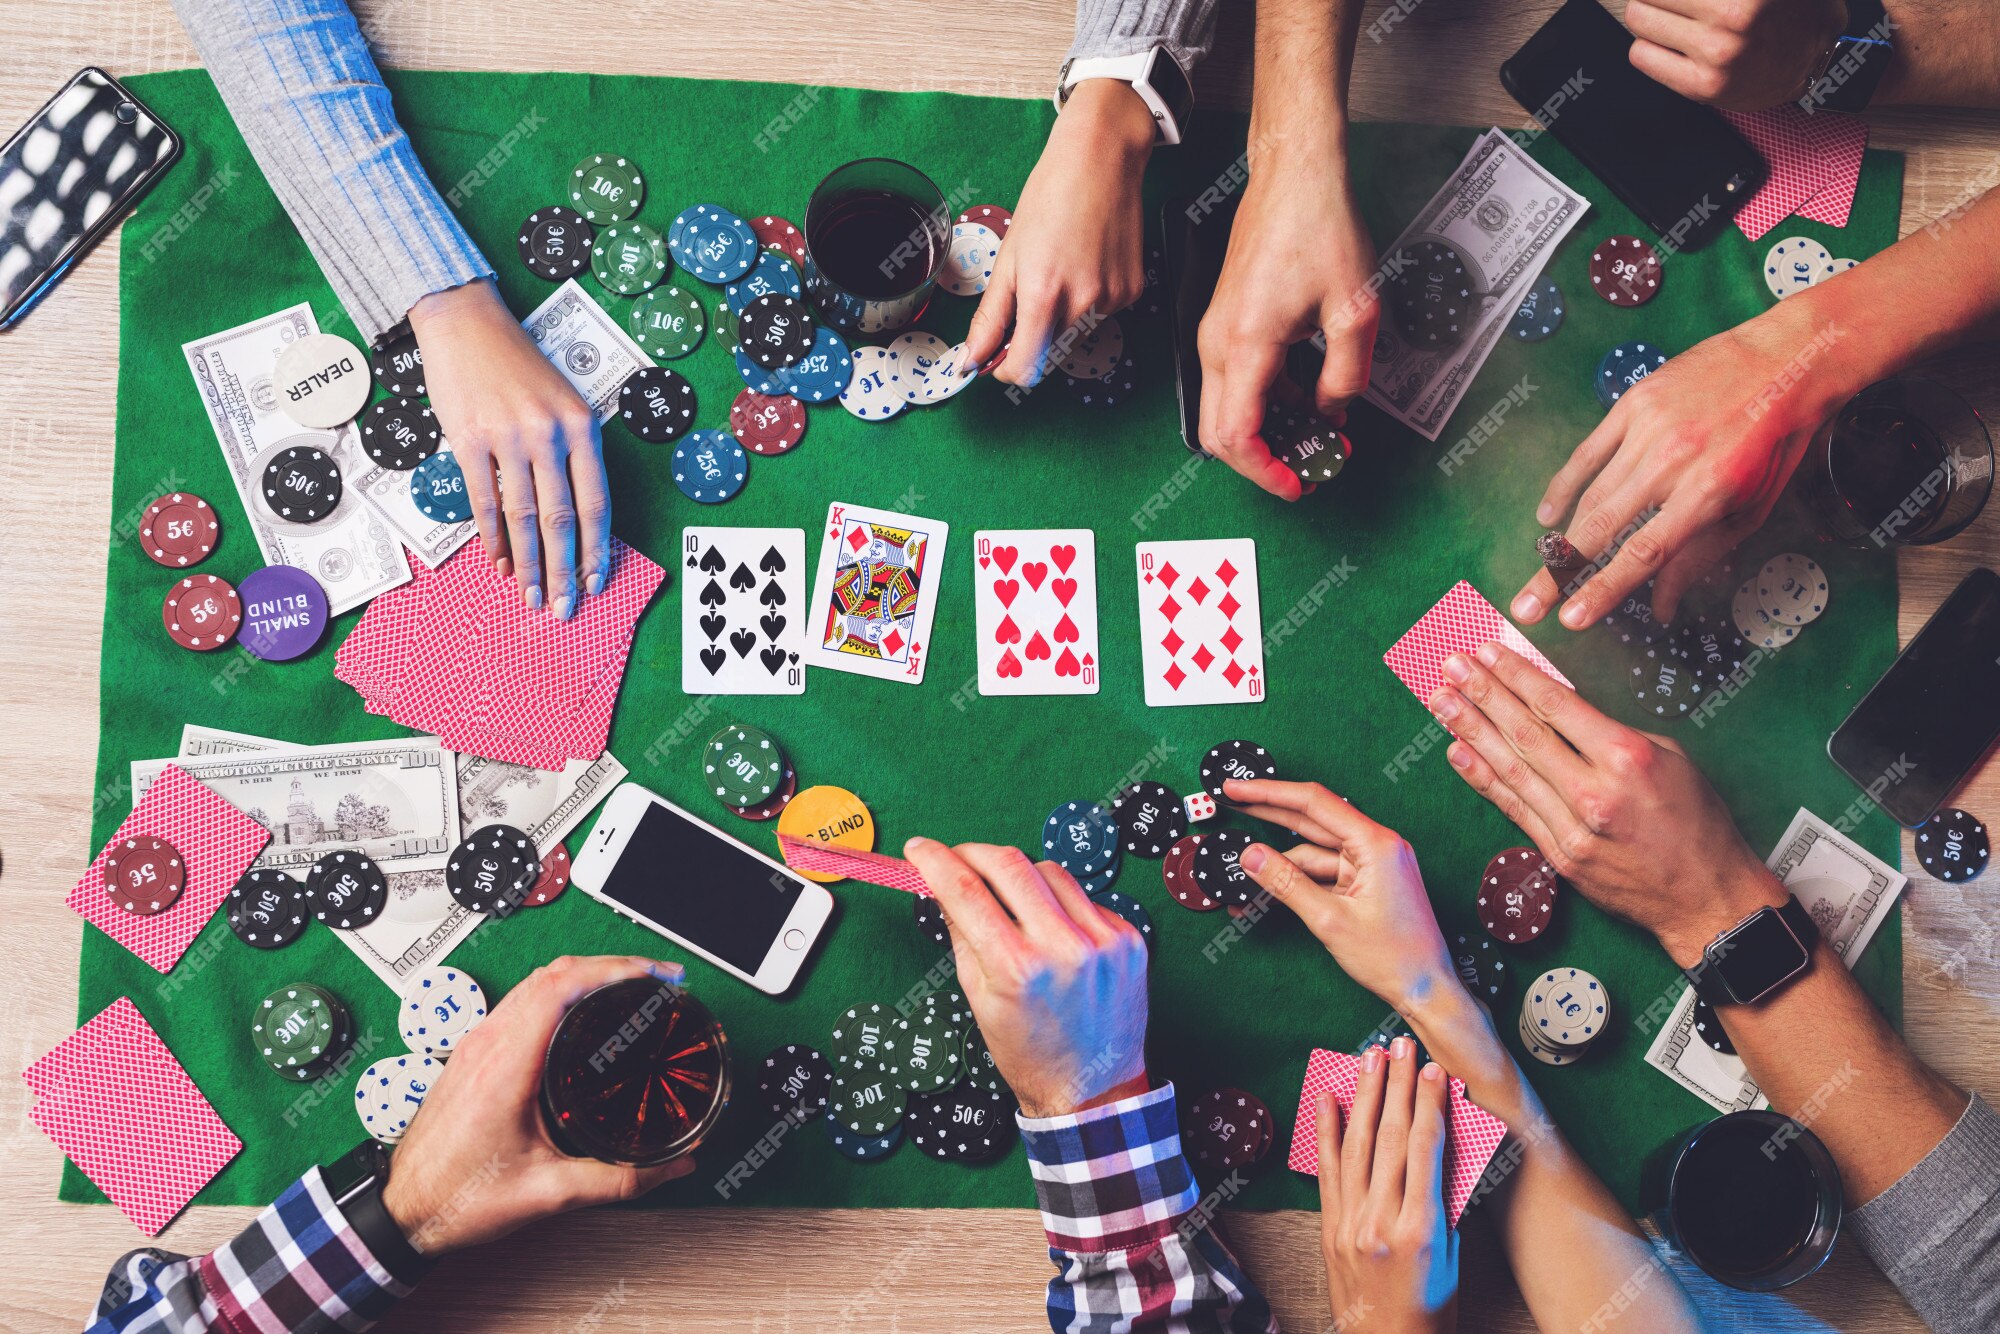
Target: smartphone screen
<point x="702" y="888"/>
<point x="1919" y="731"/>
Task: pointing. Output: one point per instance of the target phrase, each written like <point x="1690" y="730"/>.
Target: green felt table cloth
<point x="1353" y="566"/>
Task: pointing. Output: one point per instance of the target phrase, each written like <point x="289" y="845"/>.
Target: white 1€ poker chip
<point x="874" y="392"/>
<point x="440" y="1006"/>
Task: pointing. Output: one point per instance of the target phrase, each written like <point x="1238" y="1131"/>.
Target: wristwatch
<point x="355" y="1181"/>
<point x="1847" y="72"/>
<point x="1154" y="74"/>
<point x="1755" y="957"/>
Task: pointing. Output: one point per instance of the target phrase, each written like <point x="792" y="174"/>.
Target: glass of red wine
<point x="1752" y="1197"/>
<point x="876" y="235"/>
<point x="1905" y="462"/>
<point x="637" y="1073"/>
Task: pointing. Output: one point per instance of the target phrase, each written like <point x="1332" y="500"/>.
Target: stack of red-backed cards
<point x="116" y="1101"/>
<point x="457" y="653"/>
<point x="1472" y="1134"/>
<point x="1460" y="622"/>
<point x="1815" y="161"/>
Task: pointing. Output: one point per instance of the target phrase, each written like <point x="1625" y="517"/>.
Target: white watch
<point x="1153" y="74"/>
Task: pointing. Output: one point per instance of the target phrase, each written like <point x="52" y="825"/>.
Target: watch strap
<point x="1154" y="74"/>
<point x="355" y="1181"/>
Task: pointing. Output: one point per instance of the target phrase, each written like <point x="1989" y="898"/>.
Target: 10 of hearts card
<point x="1035" y="604"/>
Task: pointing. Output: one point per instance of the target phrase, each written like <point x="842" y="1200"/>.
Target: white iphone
<point x="649" y="860"/>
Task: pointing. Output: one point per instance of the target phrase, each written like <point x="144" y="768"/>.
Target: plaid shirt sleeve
<point x="298" y="1269"/>
<point x="1133" y="1247"/>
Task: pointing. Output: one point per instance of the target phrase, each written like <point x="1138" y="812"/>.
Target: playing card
<point x="1201" y="636"/>
<point x="1472" y="1134"/>
<point x="1835" y="199"/>
<point x="1806" y="155"/>
<point x="48" y="1074"/>
<point x="1034" y="593"/>
<point x="1459" y="623"/>
<point x="875" y="593"/>
<point x="743" y="613"/>
<point x="873" y="868"/>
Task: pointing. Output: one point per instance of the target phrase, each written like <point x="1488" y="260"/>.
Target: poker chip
<point x="302" y="484"/>
<point x="864" y="1040"/>
<point x="830" y="815"/>
<point x="1714" y="650"/>
<point x="629" y="258"/>
<point x="144" y="875"/>
<point x="390" y="1091"/>
<point x="1709" y="1028"/>
<point x="284" y="613"/>
<point x="397" y="364"/>
<point x="1094" y="352"/>
<point x="400" y="433"/>
<point x="299" y="1028"/>
<point x="1624" y="366"/>
<point x="1567" y="1008"/>
<point x="1177" y="870"/>
<point x="1838" y="266"/>
<point x="774" y="233"/>
<point x="178" y="530"/>
<point x="1150" y="301"/>
<point x="1228" y="1130"/>
<point x="1517" y="895"/>
<point x="1794" y="264"/>
<point x="1114" y="390"/>
<point x="767" y="424"/>
<point x="1540" y="1050"/>
<point x="930" y="1047"/>
<point x="1625" y="271"/>
<point x="553" y="880"/>
<point x="1633" y="619"/>
<point x="1791" y="589"/>
<point x="667" y="322"/>
<point x="555" y="243"/>
<point x="862" y="1148"/>
<point x="493" y="869"/>
<point x="713" y="244"/>
<point x="913" y="355"/>
<point x="991" y="216"/>
<point x="1218" y="868"/>
<point x="1756" y="625"/>
<point x="1430" y="295"/>
<point x="439" y="1006"/>
<point x="606" y="188"/>
<point x="756" y="378"/>
<point x="710" y="466"/>
<point x="872" y="393"/>
<point x="1312" y="447"/>
<point x="202" y="612"/>
<point x="980" y="1071"/>
<point x="1540" y="313"/>
<point x="772" y="275"/>
<point x="656" y="404"/>
<point x="1663" y="682"/>
<point x="321" y="381"/>
<point x="774" y="805"/>
<point x="1094" y="885"/>
<point x="930" y="920"/>
<point x="961" y="1125"/>
<point x="1081" y="837"/>
<point x="821" y="374"/>
<point x="795" y="1084"/>
<point x="1477" y="961"/>
<point x="1149" y="816"/>
<point x="1128" y="908"/>
<point x="1242" y="760"/>
<point x="438" y="487"/>
<point x="743" y="766"/>
<point x="968" y="263"/>
<point x="944" y="382"/>
<point x="346" y="889"/>
<point x="1952" y="845"/>
<point x="266" y="909"/>
<point x="776" y="331"/>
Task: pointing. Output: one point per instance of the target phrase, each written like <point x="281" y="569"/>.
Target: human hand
<point x="477" y="1162"/>
<point x="1073" y="249"/>
<point x="1621" y="814"/>
<point x="1744" y="55"/>
<point x="1057" y="983"/>
<point x="1299" y="265"/>
<point x="506" y="410"/>
<point x="1356" y="886"/>
<point x="1389" y="1251"/>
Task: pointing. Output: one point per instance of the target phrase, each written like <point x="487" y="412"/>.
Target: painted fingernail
<point x="1371" y="1060"/>
<point x="1527" y="607"/>
<point x="1252" y="859"/>
<point x="1488" y="654"/>
<point x="1432" y="1072"/>
<point x="594" y="584"/>
<point x="1457" y="668"/>
<point x="532" y="595"/>
<point x="1458" y="755"/>
<point x="1400" y="1049"/>
<point x="562" y="607"/>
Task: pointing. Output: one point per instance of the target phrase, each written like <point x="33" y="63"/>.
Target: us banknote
<point x="591" y="349"/>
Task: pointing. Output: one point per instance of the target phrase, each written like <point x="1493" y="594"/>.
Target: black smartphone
<point x="1677" y="164"/>
<point x="1935" y="713"/>
<point x="1195" y="238"/>
<point x="68" y="176"/>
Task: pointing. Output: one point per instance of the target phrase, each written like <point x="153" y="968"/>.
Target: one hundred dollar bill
<point x="589" y="347"/>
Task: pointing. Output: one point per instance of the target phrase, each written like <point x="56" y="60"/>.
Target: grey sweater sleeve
<point x="299" y="82"/>
<point x="1121" y="27"/>
<point x="1936" y="1232"/>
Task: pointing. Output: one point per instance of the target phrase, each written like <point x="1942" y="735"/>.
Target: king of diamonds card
<point x="875" y="592"/>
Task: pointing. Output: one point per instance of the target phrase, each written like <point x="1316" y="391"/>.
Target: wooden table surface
<point x="732" y="1270"/>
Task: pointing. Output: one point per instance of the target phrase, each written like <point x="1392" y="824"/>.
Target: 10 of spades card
<point x="1034" y="593"/>
<point x="1201" y="637"/>
<point x="743" y="615"/>
<point x="875" y="593"/>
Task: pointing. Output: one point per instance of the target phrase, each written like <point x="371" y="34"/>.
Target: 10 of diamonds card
<point x="1201" y="636"/>
<point x="1034" y="593"/>
<point x="875" y="593"/>
<point x="743" y="613"/>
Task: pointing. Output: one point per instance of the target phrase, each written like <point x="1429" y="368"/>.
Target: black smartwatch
<point x="1757" y="956"/>
<point x="1845" y="76"/>
<point x="355" y="1181"/>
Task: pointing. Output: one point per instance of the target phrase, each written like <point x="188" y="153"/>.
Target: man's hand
<point x="1745" y="55"/>
<point x="1057" y="983"/>
<point x="1299" y="266"/>
<point x="477" y="1162"/>
<point x="1391" y="1259"/>
<point x="509" y="414"/>
<point x="1623" y="815"/>
<point x="1356" y="886"/>
<point x="1073" y="248"/>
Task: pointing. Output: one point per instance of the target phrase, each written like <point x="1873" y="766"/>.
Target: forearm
<point x="1947" y="53"/>
<point x="1122" y="27"/>
<point x="1298" y="107"/>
